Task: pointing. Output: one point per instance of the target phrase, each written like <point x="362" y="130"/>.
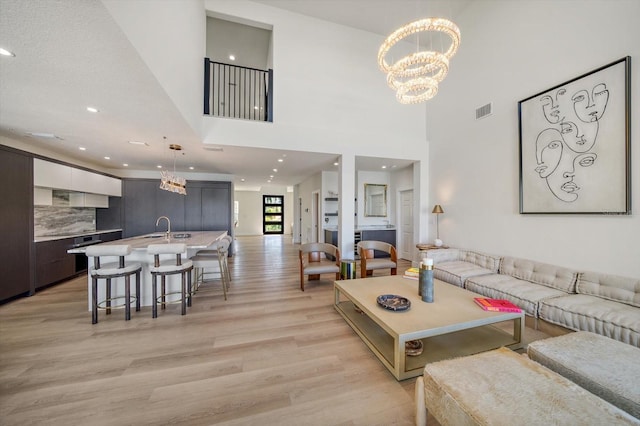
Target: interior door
<point x="406" y="225"/>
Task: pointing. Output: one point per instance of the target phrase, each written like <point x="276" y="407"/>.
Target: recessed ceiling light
<point x="280" y="160"/>
<point x="191" y="167"/>
<point x="107" y="158"/>
<point x="44" y="135"/>
<point x="242" y="180"/>
<point x="275" y="170"/>
<point x="336" y="164"/>
<point x="92" y="109"/>
<point x="159" y="166"/>
<point x="269" y="181"/>
<point x="125" y="164"/>
<point x="82" y="148"/>
<point x="138" y="143"/>
<point x="271" y="176"/>
<point x="384" y="167"/>
<point x="232" y="57"/>
<point x="5" y="52"/>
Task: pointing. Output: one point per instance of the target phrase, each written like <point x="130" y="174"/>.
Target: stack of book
<point x="496" y="305"/>
<point x="412" y="273"/>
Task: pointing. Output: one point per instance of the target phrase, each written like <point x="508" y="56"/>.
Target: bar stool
<point x="108" y="272"/>
<point x="222" y="247"/>
<point x="215" y="264"/>
<point x="166" y="267"/>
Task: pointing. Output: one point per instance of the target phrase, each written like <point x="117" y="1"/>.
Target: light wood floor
<point x="270" y="355"/>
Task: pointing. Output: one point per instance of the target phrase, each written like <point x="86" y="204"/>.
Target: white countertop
<point x="62" y="237"/>
<point x="195" y="240"/>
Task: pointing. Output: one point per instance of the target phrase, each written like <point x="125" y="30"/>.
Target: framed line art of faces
<point x="575" y="145"/>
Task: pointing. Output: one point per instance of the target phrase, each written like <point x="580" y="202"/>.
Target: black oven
<point x="81" y="258"/>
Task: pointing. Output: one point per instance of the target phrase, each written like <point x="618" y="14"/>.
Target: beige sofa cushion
<point x="501" y="387"/>
<point x="523" y="293"/>
<point x="457" y="271"/>
<point x="540" y="273"/>
<point x="455" y="265"/>
<point x="591" y="313"/>
<point x="610" y="287"/>
<point x="579" y="357"/>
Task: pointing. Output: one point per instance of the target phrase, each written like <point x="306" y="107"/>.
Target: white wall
<point x="510" y="51"/>
<point x="250" y="210"/>
<point x="305" y="190"/>
<point x="171" y="41"/>
<point x="329" y="95"/>
<point x="381" y="178"/>
<point x="251" y="44"/>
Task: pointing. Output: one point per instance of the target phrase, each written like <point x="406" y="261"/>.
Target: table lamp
<point x="437" y="209"/>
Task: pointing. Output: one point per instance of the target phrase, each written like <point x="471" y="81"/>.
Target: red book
<point x="496" y="305"/>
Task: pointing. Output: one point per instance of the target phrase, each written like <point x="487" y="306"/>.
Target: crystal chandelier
<point x="415" y="77"/>
<point x="170" y="181"/>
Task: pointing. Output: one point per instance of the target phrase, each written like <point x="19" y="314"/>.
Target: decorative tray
<point x="413" y="347"/>
<point x="393" y="302"/>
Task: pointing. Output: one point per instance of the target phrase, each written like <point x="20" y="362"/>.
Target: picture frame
<point x="575" y="145"/>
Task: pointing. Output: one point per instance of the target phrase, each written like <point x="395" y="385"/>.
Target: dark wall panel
<point x="16" y="223"/>
<point x="206" y="207"/>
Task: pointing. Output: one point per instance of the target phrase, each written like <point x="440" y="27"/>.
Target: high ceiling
<point x="71" y="55"/>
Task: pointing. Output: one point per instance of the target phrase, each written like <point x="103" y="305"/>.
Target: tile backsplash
<point x="53" y="221"/>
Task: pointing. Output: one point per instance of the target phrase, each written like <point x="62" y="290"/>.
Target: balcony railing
<point x="237" y="92"/>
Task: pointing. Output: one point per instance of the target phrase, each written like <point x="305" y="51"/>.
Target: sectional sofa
<point x="605" y="304"/>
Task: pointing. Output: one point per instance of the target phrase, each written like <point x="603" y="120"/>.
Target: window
<point x="273" y="214"/>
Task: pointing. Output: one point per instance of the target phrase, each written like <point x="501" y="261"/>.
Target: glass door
<point x="273" y="214"/>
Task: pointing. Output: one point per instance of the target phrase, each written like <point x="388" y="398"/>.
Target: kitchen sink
<point x="181" y="235"/>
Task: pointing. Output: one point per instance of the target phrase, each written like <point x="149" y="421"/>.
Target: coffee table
<point x="453" y="325"/>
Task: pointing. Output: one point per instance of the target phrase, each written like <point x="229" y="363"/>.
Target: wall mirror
<point x="375" y="200"/>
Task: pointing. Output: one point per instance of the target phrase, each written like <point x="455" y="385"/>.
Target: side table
<point x="425" y="247"/>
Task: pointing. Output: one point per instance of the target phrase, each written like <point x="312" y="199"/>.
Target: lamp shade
<point x="437" y="209"/>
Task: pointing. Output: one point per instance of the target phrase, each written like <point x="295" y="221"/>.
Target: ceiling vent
<point x="484" y="111"/>
<point x="214" y="148"/>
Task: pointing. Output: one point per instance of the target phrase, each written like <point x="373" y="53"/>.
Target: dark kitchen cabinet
<point x="110" y="218"/>
<point x="139" y="206"/>
<point x="16" y="223"/>
<point x="171" y="205"/>
<point x="206" y="207"/>
<point x="53" y="263"/>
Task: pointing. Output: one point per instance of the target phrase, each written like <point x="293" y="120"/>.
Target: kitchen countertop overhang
<point x="192" y="239"/>
<point x="81" y="234"/>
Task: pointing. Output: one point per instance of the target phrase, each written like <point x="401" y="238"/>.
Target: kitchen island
<point x="194" y="240"/>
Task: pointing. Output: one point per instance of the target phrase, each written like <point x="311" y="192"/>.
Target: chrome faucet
<point x="168" y="225"/>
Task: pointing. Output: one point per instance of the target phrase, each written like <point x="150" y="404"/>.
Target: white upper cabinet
<point x="58" y="176"/>
<point x="51" y="175"/>
<point x="84" y="181"/>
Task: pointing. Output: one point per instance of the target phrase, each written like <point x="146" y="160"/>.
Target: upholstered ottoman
<point x="603" y="366"/>
<point x="501" y="387"/>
